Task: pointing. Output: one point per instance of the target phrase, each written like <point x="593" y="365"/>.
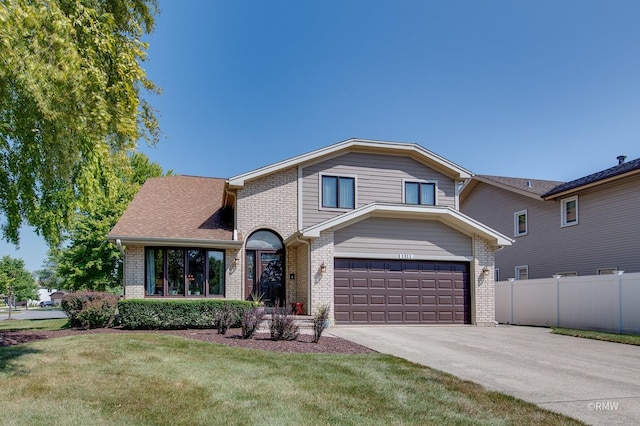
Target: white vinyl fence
<point x="597" y="302"/>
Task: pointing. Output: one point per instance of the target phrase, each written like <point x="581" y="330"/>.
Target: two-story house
<point x="587" y="226"/>
<point x="372" y="229"/>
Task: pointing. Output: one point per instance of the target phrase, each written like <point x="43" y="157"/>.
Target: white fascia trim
<point x="178" y="242"/>
<point x="446" y="215"/>
<point x="239" y="180"/>
<point x="394" y="255"/>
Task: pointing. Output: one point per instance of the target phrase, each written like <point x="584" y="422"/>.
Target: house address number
<point x="405" y="256"/>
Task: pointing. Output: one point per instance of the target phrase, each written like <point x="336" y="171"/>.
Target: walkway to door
<point x="596" y="382"/>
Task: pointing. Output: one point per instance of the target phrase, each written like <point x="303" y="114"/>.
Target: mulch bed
<point x="327" y="344"/>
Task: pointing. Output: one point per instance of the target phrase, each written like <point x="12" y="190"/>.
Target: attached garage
<point x="373" y="291"/>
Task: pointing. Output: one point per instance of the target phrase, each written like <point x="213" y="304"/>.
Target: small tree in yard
<point x="251" y="319"/>
<point x="13" y="273"/>
<point x="283" y="327"/>
<point x="320" y="322"/>
<point x="224" y="318"/>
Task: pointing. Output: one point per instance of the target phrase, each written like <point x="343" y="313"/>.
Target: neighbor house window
<point x="520" y="223"/>
<point x="190" y="272"/>
<point x="606" y="271"/>
<point x="570" y="211"/>
<point x="496" y="276"/>
<point x="522" y="272"/>
<point x="567" y="274"/>
<point x="338" y="192"/>
<point x="420" y="193"/>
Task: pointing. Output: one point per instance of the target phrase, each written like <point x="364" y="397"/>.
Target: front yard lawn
<point x="153" y="378"/>
<point x="36" y="324"/>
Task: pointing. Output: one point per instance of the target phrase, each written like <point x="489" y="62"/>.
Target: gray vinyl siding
<point x="378" y="178"/>
<point x="387" y="237"/>
<point x="606" y="236"/>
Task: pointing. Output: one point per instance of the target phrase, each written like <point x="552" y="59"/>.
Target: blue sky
<point x="539" y="89"/>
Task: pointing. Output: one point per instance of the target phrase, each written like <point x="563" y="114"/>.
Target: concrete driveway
<point x="596" y="382"/>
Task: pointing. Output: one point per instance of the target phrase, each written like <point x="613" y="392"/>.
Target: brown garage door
<point x="371" y="291"/>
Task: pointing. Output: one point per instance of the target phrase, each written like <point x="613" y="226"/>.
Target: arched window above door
<point x="264" y="240"/>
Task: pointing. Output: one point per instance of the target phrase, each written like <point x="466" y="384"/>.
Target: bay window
<point x="180" y="272"/>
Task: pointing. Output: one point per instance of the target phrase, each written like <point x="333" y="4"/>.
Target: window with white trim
<point x="522" y="272"/>
<point x="496" y="272"/>
<point x="338" y="192"/>
<point x="568" y="274"/>
<point x="520" y="223"/>
<point x="569" y="207"/>
<point x="606" y="271"/>
<point x="423" y="193"/>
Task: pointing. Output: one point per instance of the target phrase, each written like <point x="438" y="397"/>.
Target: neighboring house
<point x="56" y="297"/>
<point x="588" y="226"/>
<point x="370" y="228"/>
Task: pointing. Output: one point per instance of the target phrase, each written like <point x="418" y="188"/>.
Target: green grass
<point x="628" y="339"/>
<point x="46" y="324"/>
<point x="158" y="379"/>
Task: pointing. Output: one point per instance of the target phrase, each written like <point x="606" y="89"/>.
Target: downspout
<point x="228" y="193"/>
<point x="124" y="264"/>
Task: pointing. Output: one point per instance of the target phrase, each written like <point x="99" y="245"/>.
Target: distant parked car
<point x="46" y="304"/>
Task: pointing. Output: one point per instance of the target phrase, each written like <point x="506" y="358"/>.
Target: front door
<point x="265" y="276"/>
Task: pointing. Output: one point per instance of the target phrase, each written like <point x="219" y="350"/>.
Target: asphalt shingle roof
<point x="534" y="186"/>
<point x="176" y="207"/>
<point x="595" y="177"/>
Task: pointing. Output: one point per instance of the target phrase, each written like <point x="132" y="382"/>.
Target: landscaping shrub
<point x="283" y="326"/>
<point x="150" y="314"/>
<point x="224" y="317"/>
<point x="89" y="309"/>
<point x="250" y="320"/>
<point x="320" y="322"/>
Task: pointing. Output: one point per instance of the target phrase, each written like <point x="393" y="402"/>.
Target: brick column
<point x="483" y="284"/>
<point x="134" y="272"/>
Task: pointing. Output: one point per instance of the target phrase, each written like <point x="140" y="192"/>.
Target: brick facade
<point x="270" y="202"/>
<point x="134" y="272"/>
<point x="483" y="294"/>
<point x="322" y="282"/>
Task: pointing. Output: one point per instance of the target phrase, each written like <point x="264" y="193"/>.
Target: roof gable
<point x="359" y="145"/>
<point x="184" y="208"/>
<point x="446" y="215"/>
<point x="533" y="188"/>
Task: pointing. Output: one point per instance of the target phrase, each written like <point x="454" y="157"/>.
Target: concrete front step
<point x="304" y="322"/>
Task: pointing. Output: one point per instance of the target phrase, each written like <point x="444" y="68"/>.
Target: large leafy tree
<point x="89" y="261"/>
<point x="71" y="86"/>
<point x="14" y="274"/>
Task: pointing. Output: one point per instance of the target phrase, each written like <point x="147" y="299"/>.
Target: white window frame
<point x="517" y="272"/>
<point x="563" y="211"/>
<point x="516" y="223"/>
<point x="606" y="271"/>
<point x="338" y="175"/>
<point x="568" y="274"/>
<point x="435" y="190"/>
<point x="496" y="274"/>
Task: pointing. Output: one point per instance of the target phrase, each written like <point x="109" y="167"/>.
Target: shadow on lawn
<point x="9" y="352"/>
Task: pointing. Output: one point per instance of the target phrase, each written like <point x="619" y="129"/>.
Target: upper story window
<point x="420" y="193"/>
<point x="522" y="272"/>
<point x="338" y="192"/>
<point x="520" y="223"/>
<point x="569" y="207"/>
